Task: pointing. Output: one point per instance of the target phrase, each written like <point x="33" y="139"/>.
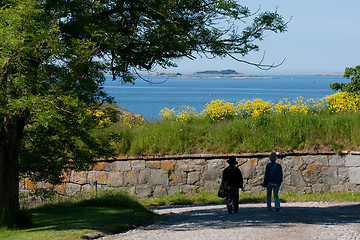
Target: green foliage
<point x="53" y="57"/>
<point x="354" y="86"/>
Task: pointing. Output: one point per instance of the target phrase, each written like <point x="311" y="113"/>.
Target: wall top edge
<point x="217" y="156"/>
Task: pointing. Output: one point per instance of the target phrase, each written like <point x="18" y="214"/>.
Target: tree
<point x="351" y="87"/>
<point x="54" y="55"/>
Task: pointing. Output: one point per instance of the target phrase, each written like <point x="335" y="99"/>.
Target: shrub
<point x="254" y="108"/>
<point x="343" y="102"/>
<point x="218" y="110"/>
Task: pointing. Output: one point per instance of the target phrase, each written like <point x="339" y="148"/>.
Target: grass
<point x="70" y="219"/>
<point x="211" y="198"/>
<point x="273" y="132"/>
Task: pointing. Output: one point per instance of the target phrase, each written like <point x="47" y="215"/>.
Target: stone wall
<point x="161" y="176"/>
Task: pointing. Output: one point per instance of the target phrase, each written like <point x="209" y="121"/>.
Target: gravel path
<point x="295" y="221"/>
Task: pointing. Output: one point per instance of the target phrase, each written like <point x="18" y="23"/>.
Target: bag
<point x="222" y="193"/>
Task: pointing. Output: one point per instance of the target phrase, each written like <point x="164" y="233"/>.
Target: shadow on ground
<point x="251" y="215"/>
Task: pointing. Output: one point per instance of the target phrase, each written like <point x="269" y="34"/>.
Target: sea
<point x="150" y="94"/>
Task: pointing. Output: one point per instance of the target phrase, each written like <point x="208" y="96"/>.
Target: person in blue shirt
<point x="272" y="181"/>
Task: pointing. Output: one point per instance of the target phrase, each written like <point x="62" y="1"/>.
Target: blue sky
<point x="323" y="37"/>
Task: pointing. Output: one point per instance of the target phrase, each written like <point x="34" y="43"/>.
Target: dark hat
<point x="232" y="160"/>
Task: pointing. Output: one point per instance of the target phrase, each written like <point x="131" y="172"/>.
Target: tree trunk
<point x="10" y="142"/>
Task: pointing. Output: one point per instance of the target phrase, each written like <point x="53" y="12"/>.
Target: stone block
<point x="130" y="178"/>
<point x="343" y="173"/>
<point x="144" y="176"/>
<point x="297" y="180"/>
<point x="187" y="188"/>
<point x="143" y="191"/>
<point x="321" y="161"/>
<point x="211" y="186"/>
<point x="60" y="188"/>
<point x="103" y="166"/>
<point x="331" y="176"/>
<point x="183" y="165"/>
<point x="248" y="168"/>
<point x="168" y="164"/>
<point x="318" y="188"/>
<point x="198" y="161"/>
<point x="45" y="185"/>
<point x="287" y="188"/>
<point x="352" y="161"/>
<point x="256" y="181"/>
<point x="72" y="189"/>
<point x="173" y="189"/>
<point x="294" y="163"/>
<point x="159" y="177"/>
<point x="257" y="189"/>
<point x="308" y="160"/>
<point x="286" y="179"/>
<point x="193" y="178"/>
<point x="160" y="191"/>
<point x="78" y="177"/>
<point x="122" y="166"/>
<point x="312" y="173"/>
<point x="336" y="161"/>
<point x="88" y="188"/>
<point x="137" y="165"/>
<point x="178" y="177"/>
<point x="100" y="176"/>
<point x="196" y="165"/>
<point x="156" y="164"/>
<point x="354" y="175"/>
<point x="215" y="164"/>
<point x="115" y="179"/>
<point x="211" y="175"/>
<point x="262" y="162"/>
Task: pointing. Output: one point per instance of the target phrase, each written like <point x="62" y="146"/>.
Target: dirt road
<point x="295" y="221"/>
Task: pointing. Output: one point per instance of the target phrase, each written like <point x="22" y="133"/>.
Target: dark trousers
<point x="232" y="199"/>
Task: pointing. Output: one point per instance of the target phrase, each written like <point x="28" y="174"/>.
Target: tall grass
<point x="272" y="132"/>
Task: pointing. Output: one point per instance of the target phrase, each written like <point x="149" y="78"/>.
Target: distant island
<point x="330" y="74"/>
<point x="222" y="72"/>
<point x="228" y="73"/>
<point x="163" y="75"/>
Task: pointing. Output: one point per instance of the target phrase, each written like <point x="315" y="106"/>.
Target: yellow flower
<point x="343" y="102"/>
<point x="219" y="109"/>
<point x="254" y="108"/>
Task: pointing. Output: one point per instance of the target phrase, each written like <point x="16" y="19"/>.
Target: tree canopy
<point x="55" y="54"/>
<point x="354" y="86"/>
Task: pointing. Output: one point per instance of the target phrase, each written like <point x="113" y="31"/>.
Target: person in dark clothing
<point x="272" y="181"/>
<point x="233" y="180"/>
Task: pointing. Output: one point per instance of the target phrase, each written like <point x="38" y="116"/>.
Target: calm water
<point x="148" y="99"/>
